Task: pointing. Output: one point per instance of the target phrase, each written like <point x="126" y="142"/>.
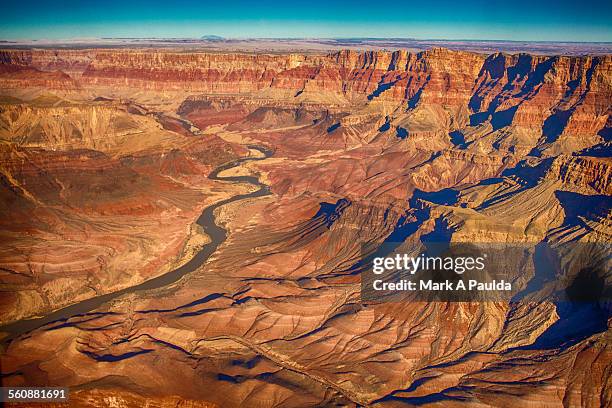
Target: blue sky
<point x="547" y="20"/>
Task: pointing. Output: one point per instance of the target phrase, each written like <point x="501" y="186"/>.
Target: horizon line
<point x="340" y="38"/>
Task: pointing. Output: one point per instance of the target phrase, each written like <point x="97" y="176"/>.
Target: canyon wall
<point x="105" y="157"/>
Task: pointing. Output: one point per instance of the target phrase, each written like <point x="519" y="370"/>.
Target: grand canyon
<point x="181" y="227"/>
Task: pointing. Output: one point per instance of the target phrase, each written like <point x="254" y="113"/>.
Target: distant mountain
<point x="212" y="38"/>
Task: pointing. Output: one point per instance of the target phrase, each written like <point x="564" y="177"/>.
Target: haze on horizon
<point x="520" y="20"/>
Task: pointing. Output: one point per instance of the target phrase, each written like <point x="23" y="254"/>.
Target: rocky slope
<point x="90" y="191"/>
<point x="105" y="155"/>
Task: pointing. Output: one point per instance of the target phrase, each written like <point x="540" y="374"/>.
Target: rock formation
<point x="106" y="155"/>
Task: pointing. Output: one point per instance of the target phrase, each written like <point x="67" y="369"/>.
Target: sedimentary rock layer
<point x="105" y="157"/>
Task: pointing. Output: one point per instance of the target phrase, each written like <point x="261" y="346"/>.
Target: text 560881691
<point x="34" y="394"/>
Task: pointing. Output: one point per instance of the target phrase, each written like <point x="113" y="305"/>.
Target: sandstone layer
<point x="105" y="162"/>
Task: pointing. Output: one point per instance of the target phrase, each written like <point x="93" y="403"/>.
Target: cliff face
<point x="104" y="158"/>
<point x="563" y="102"/>
<point x="450" y="78"/>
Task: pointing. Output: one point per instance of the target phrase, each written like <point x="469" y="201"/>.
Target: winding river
<point x="206" y="220"/>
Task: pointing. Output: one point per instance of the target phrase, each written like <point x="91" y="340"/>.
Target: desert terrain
<point x="181" y="228"/>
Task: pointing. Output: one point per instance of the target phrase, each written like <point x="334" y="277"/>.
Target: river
<point x="206" y="220"/>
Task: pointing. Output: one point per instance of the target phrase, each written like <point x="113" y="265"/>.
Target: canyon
<point x="110" y="157"/>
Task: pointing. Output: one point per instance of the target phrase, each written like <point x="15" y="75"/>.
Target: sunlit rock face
<point x="104" y="172"/>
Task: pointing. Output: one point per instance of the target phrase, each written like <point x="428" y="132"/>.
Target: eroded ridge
<point x="371" y="149"/>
